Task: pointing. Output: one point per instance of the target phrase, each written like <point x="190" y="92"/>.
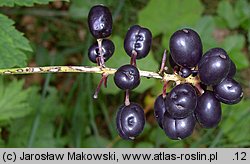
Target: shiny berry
<point x="186" y="47"/>
<point x="185" y="72"/>
<point x="228" y="91"/>
<point x="214" y="66"/>
<point x="127" y="77"/>
<point x="178" y="129"/>
<point x="208" y="111"/>
<point x="181" y="101"/>
<point x="130" y="121"/>
<point x="100" y="21"/>
<point x="159" y="109"/>
<point x="108" y="49"/>
<point x="172" y="62"/>
<point x="138" y="39"/>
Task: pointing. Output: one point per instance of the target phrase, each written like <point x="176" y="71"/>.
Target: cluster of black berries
<point x="177" y="111"/>
<point x="130" y="118"/>
<point x="100" y="25"/>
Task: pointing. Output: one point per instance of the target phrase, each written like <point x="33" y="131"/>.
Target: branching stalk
<point x="95" y="69"/>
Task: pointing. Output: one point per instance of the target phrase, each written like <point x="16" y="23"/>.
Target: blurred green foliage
<point x="57" y="110"/>
<point x="28" y="3"/>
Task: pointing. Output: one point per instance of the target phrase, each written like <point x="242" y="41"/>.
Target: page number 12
<point x="240" y="156"/>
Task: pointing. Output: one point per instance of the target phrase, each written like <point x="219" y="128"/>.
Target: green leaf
<point x="12" y="45"/>
<point x="50" y="109"/>
<point x="159" y="134"/>
<point x="242" y="12"/>
<point x="226" y="11"/>
<point x="220" y="22"/>
<point x="205" y="28"/>
<point x="29" y="3"/>
<point x="235" y="126"/>
<point x="13" y="100"/>
<point x="246" y="24"/>
<point x="121" y="58"/>
<point x="20" y="131"/>
<point x="166" y="16"/>
<point x="234" y="44"/>
<point x="237" y="15"/>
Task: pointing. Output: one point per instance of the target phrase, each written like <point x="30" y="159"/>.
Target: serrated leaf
<point x="13" y="100"/>
<point x="28" y="3"/>
<point x="121" y="58"/>
<point x="226" y="11"/>
<point x="234" y="44"/>
<point x="12" y="45"/>
<point x="166" y="16"/>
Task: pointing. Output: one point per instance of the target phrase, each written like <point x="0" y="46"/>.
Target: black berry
<point x="214" y="66"/>
<point x="228" y="91"/>
<point x="178" y="129"/>
<point x="138" y="39"/>
<point x="208" y="111"/>
<point x="108" y="49"/>
<point x="172" y="62"/>
<point x="127" y="77"/>
<point x="100" y="21"/>
<point x="186" y="47"/>
<point x="130" y="121"/>
<point x="159" y="109"/>
<point x="185" y="72"/>
<point x="181" y="101"/>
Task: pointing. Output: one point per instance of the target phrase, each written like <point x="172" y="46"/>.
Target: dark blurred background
<point x="57" y="110"/>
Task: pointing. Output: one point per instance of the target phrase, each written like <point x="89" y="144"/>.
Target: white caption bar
<point x="119" y="155"/>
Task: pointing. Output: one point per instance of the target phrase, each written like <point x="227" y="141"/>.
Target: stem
<point x="102" y="81"/>
<point x="164" y="90"/>
<point x="198" y="87"/>
<point x="127" y="101"/>
<point x="133" y="58"/>
<point x="176" y="70"/>
<point x="163" y="62"/>
<point x="102" y="64"/>
<point x="95" y="69"/>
